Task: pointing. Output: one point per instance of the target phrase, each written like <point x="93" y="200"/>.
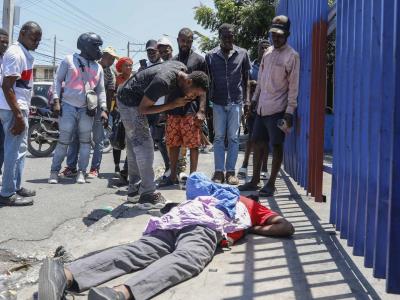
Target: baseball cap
<point x="151" y="44"/>
<point x="280" y="25"/>
<point x="110" y="50"/>
<point x="164" y="41"/>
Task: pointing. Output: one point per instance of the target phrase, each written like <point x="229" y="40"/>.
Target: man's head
<point x="108" y="57"/>
<point x="194" y="84"/>
<point x="152" y="52"/>
<point x="3" y="41"/>
<point x="280" y="30"/>
<point x="226" y="34"/>
<point x="90" y="45"/>
<point x="30" y="35"/>
<point x="262" y="47"/>
<point x="185" y="40"/>
<point x="164" y="47"/>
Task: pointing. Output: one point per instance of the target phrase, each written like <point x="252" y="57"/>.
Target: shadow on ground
<point x="311" y="265"/>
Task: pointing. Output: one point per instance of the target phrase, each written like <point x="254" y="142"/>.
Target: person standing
<point x="183" y="127"/>
<point x="250" y="113"/>
<point x="84" y="82"/>
<point x="228" y="67"/>
<point x="3" y="48"/>
<point x="106" y="61"/>
<point x="276" y="94"/>
<point x="17" y="73"/>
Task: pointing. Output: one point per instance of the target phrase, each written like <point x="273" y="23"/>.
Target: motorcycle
<point x="43" y="132"/>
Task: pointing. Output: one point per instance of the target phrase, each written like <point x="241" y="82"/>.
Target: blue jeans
<point x="139" y="149"/>
<point x="226" y="122"/>
<point x="98" y="139"/>
<point x="1" y="148"/>
<point x="74" y="120"/>
<point x="15" y="148"/>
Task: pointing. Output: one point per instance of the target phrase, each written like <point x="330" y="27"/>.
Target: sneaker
<point x="23" y="192"/>
<point x="168" y="182"/>
<point x="264" y="175"/>
<point x="15" y="200"/>
<point x="81" y="177"/>
<point x="218" y="177"/>
<point x="94" y="173"/>
<point x="151" y="201"/>
<point x="52" y="280"/>
<point x="231" y="178"/>
<point x="104" y="293"/>
<point x="124" y="177"/>
<point x="117" y="170"/>
<point x="267" y="191"/>
<point x="53" y="179"/>
<point x="242" y="173"/>
<point x="69" y="172"/>
<point x="167" y="173"/>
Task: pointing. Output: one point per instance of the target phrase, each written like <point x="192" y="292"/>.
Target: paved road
<point x="311" y="265"/>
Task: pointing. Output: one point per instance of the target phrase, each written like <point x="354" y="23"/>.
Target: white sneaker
<point x="80" y="178"/>
<point x="264" y="176"/>
<point x="53" y="179"/>
<point x="242" y="173"/>
<point x="167" y="173"/>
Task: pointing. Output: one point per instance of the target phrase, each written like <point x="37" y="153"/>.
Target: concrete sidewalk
<point x="313" y="264"/>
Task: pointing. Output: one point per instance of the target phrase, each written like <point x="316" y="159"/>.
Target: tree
<point x="252" y="19"/>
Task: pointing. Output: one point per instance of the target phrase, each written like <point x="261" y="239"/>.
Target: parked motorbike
<point x="43" y="132"/>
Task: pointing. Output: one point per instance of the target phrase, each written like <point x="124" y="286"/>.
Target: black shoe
<point x="117" y="169"/>
<point x="267" y="191"/>
<point x="105" y="293"/>
<point x="151" y="201"/>
<point x="52" y="280"/>
<point x="168" y="182"/>
<point x="248" y="186"/>
<point x="15" y="200"/>
<point x="23" y="192"/>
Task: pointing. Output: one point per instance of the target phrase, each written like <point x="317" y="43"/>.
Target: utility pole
<point x="128" y="50"/>
<point x="54" y="54"/>
<point x="8" y="18"/>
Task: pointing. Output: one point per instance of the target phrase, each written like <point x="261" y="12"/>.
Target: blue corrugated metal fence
<point x="365" y="198"/>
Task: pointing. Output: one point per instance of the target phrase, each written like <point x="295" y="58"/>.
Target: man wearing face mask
<point x="276" y="93"/>
<point x="229" y="67"/>
<point x="82" y="76"/>
<point x="17" y="73"/>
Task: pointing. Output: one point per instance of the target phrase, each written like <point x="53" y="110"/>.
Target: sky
<point x="117" y="22"/>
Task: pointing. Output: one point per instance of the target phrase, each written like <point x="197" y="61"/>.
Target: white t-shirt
<point x="17" y="61"/>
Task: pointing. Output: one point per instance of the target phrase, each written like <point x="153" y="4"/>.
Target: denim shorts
<point x="265" y="129"/>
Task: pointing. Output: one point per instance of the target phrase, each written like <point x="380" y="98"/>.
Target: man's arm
<point x="58" y="80"/>
<point x="293" y="79"/>
<point x="9" y="94"/>
<point x="101" y="91"/>
<point x="274" y="226"/>
<point x="245" y="77"/>
<point x="147" y="106"/>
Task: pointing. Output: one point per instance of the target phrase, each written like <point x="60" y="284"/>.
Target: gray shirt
<point x="228" y="75"/>
<point x="77" y="82"/>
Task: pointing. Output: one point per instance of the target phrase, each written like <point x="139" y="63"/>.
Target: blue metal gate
<point x="365" y="198"/>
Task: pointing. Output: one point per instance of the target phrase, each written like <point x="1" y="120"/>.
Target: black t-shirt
<point x="154" y="82"/>
<point x="194" y="62"/>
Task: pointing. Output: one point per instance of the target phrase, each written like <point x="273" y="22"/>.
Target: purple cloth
<point x="201" y="211"/>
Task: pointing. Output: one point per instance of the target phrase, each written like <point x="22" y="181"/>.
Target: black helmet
<point x="89" y="43"/>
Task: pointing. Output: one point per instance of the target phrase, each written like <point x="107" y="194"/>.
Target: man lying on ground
<point x="174" y="247"/>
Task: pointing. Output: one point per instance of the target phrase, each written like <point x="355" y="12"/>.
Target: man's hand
<point x="289" y="120"/>
<point x="19" y="125"/>
<point x="104" y="118"/>
<point x="182" y="101"/>
<point x="56" y="108"/>
<point x="200" y="117"/>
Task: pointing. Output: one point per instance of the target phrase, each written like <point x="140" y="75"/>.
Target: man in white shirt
<point x="14" y="109"/>
<point x="3" y="48"/>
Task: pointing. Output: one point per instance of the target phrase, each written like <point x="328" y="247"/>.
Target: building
<point x="43" y="73"/>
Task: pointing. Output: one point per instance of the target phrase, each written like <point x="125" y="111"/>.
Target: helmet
<point x="89" y="43"/>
